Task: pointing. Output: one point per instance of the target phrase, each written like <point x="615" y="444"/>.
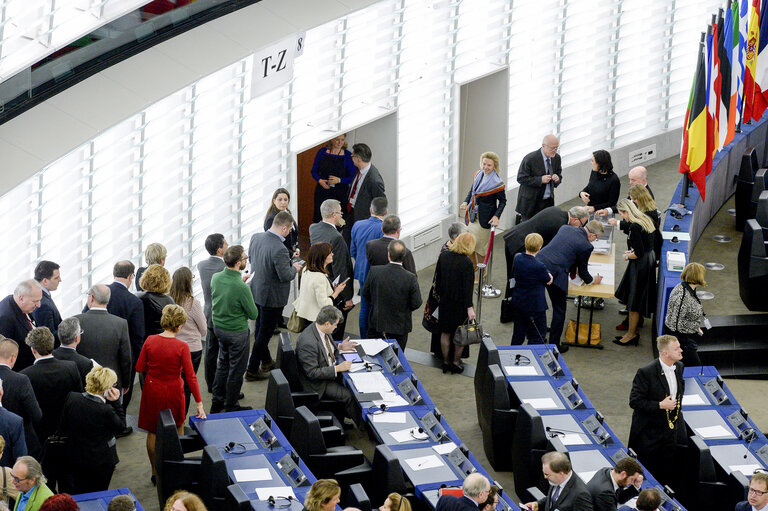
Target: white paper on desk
<point x="373" y="347"/>
<point x="407" y="435"/>
<point x="391" y="399"/>
<point x="356" y="366"/>
<point x="424" y="462"/>
<point x="252" y="474"/>
<point x="390" y="418"/>
<point x="713" y="432"/>
<point x="520" y="370"/>
<point x="586" y="476"/>
<point x="444" y="448"/>
<point x="692" y="400"/>
<point x="573" y="439"/>
<point x="542" y="403"/>
<point x="605" y="270"/>
<point x="681" y="236"/>
<point x="274" y="491"/>
<point x="371" y="382"/>
<point x="747" y="470"/>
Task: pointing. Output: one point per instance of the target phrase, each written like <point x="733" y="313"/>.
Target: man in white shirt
<point x="567" y="492"/>
<point x="757" y="495"/>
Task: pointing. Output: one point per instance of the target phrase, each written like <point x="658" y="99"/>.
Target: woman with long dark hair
<point x="315" y="291"/>
<point x="603" y="189"/>
<point x="280" y="201"/>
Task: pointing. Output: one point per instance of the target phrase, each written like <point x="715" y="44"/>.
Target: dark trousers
<point x="337" y="392"/>
<point x="529" y="324"/>
<point x="690" y="348"/>
<point x="402" y="339"/>
<point x="558" y="298"/>
<point x="266" y="323"/>
<point x="233" y="359"/>
<point x="88" y="478"/>
<point x="135" y="350"/>
<point x="197" y="356"/>
<point x="211" y="356"/>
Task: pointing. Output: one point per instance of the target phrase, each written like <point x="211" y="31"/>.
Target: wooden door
<point x="306" y="194"/>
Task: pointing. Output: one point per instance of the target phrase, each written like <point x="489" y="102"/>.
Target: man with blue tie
<point x="539" y="174"/>
<point x="48" y="276"/>
<point x="567" y="492"/>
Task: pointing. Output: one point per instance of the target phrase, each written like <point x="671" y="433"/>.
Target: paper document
<point x="336" y="280"/>
<point x="356" y="366"/>
<point x="601" y="246"/>
<point x="391" y="399"/>
<point x="371" y="382"/>
<point x="520" y="370"/>
<point x="713" y="432"/>
<point x="424" y="462"/>
<point x="373" y="347"/>
<point x="390" y="418"/>
<point x="274" y="491"/>
<point x="408" y="435"/>
<point x="542" y="403"/>
<point x="252" y="474"/>
<point x="681" y="236"/>
<point x="605" y="270"/>
<point x="586" y="476"/>
<point x="573" y="439"/>
<point x="747" y="470"/>
<point x="444" y="448"/>
<point x="693" y="400"/>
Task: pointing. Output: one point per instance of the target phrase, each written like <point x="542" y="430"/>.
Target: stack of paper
<point x="424" y="462"/>
<point x="520" y="370"/>
<point x="390" y="418"/>
<point x="716" y="431"/>
<point x="252" y="474"/>
<point x="372" y="347"/>
<point x="693" y="400"/>
<point x="274" y="491"/>
<point x="391" y="398"/>
<point x="371" y="382"/>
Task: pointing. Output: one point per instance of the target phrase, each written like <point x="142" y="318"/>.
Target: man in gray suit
<point x="272" y="273"/>
<point x="368" y="185"/>
<point x="105" y="339"/>
<point x="610" y="487"/>
<point x="341" y="267"/>
<point x="317" y="354"/>
<point x="216" y="245"/>
<point x="393" y="293"/>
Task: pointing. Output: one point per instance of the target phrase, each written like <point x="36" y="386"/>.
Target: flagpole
<point x="686" y="178"/>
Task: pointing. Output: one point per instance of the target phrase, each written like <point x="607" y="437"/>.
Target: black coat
<point x="546" y="223"/>
<point x="393" y="293"/>
<point x="14" y="325"/>
<point x="48" y="315"/>
<point x="90" y="426"/>
<point x="453" y="503"/>
<point x="19" y="398"/>
<point x="153" y="311"/>
<point x="531" y="191"/>
<point x="52" y="380"/>
<point x="342" y="261"/>
<point x="376" y="252"/>
<point x="84" y="364"/>
<point x="12" y="430"/>
<point x="573" y="497"/>
<point x="126" y="305"/>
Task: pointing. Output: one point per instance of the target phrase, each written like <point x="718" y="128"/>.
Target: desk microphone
<point x="749" y="435"/>
<point x="237" y="447"/>
<point x="369" y="365"/>
<point x="518" y="358"/>
<point x="555" y="432"/>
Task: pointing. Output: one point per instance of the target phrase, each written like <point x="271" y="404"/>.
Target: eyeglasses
<point x="18" y="479"/>
<point x="751" y="490"/>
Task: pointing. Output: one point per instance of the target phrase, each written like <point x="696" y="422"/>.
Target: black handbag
<point x="54" y="450"/>
<point x="468" y="334"/>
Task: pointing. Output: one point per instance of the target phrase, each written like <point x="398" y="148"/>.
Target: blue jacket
<point x="363" y="232"/>
<point x="743" y="506"/>
<point x="531" y="277"/>
<point x="570" y="247"/>
<point x="48" y="314"/>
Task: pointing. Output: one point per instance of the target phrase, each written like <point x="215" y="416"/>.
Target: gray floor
<point x="605" y="375"/>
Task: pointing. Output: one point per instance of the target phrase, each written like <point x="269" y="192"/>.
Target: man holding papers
<point x="317" y="354"/>
<point x="658" y="433"/>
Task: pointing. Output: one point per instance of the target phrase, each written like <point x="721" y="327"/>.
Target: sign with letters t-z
<point x="273" y="65"/>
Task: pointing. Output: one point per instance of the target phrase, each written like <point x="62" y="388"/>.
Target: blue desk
<point x="222" y="428"/>
<point x="99" y="501"/>
<point x="415" y="417"/>
<point x="520" y="361"/>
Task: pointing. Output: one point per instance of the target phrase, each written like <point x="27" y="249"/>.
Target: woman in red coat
<point x="162" y="358"/>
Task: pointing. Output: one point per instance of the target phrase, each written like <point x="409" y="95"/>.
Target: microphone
<point x="600" y="438"/>
<point x="749" y="435"/>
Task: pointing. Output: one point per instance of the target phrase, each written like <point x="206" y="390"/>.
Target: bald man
<point x="16" y="319"/>
<point x="540" y="173"/>
<point x="475" y="490"/>
<point x="637" y="176"/>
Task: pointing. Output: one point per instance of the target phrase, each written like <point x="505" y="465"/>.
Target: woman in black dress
<point x="454" y="277"/>
<point x="603" y="189"/>
<point x="334" y="172"/>
<point x="645" y="203"/>
<point x="637" y="288"/>
<point x="280" y="201"/>
<point x="156" y="282"/>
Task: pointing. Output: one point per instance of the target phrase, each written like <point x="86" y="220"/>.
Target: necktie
<point x="353" y="191"/>
<point x="555" y="495"/>
<point x="331" y="358"/>
<point x="31" y="326"/>
<point x="548" y="186"/>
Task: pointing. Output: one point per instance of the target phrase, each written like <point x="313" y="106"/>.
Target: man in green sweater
<point x="231" y="307"/>
<point x="29" y="480"/>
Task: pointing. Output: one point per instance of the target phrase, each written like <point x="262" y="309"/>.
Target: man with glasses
<point x="341" y="268"/>
<point x="539" y="174"/>
<point x="757" y="496"/>
<point x="567" y="492"/>
<point x="475" y="492"/>
<point x="16" y="319"/>
<point x="29" y="480"/>
<point x="231" y="307"/>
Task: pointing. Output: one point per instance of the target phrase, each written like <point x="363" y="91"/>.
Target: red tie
<point x="31" y="326"/>
<point x="352" y="193"/>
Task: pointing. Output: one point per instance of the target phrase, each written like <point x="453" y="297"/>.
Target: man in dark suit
<point x="48" y="276"/>
<point x="271" y="276"/>
<point x="16" y="319"/>
<point x="650" y="500"/>
<point x="317" y="354"/>
<point x="393" y="293"/>
<point x="105" y="339"/>
<point x="376" y="251"/>
<point x="546" y="223"/>
<point x="474" y="489"/>
<point x="52" y="380"/>
<point x="215" y="245"/>
<point x="658" y="432"/>
<point x="19" y="397"/>
<point x="367" y="185"/>
<point x="539" y="174"/>
<point x="757" y="495"/>
<point x="70" y="337"/>
<point x="341" y="268"/>
<point x="610" y="487"/>
<point x="567" y="492"/>
<point x="570" y="247"/>
<point x="12" y="430"/>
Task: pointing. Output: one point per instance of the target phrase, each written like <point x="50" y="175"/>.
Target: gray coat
<point x="105" y="340"/>
<point x="271" y="269"/>
<point x="207" y="268"/>
<point x="393" y="293"/>
<point x="315" y="370"/>
<point x="342" y="261"/>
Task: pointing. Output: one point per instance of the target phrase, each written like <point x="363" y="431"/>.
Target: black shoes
<point x="124" y="432"/>
<point x="562" y="348"/>
<point x="635" y="341"/>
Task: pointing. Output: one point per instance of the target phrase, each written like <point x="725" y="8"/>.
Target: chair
<point x="173" y="470"/>
<point x="529" y="443"/>
<point x="744" y="184"/>
<point x="279" y="404"/>
<point x="387" y="474"/>
<point x="702" y="488"/>
<point x="213" y="479"/>
<point x="357" y="498"/>
<point x="753" y="266"/>
<point x="497" y="420"/>
<point x="487" y="355"/>
<point x="344" y="463"/>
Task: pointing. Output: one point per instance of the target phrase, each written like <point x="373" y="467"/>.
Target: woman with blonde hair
<point x="396" y="502"/>
<point x="315" y="291"/>
<point x="90" y="424"/>
<point x="685" y="313"/>
<point x="182" y="500"/>
<point x="334" y="171"/>
<point x="323" y="495"/>
<point x="637" y="289"/>
<point x="645" y="203"/>
<point x="485" y="201"/>
<point x="454" y="278"/>
<point x="162" y="358"/>
<point x="155" y="253"/>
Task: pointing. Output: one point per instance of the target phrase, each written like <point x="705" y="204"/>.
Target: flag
<point x="732" y="20"/>
<point x="753" y="35"/>
<point x="725" y="49"/>
<point x="696" y="158"/>
<point x="713" y="90"/>
<point x="741" y="55"/>
<point x="761" y="68"/>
